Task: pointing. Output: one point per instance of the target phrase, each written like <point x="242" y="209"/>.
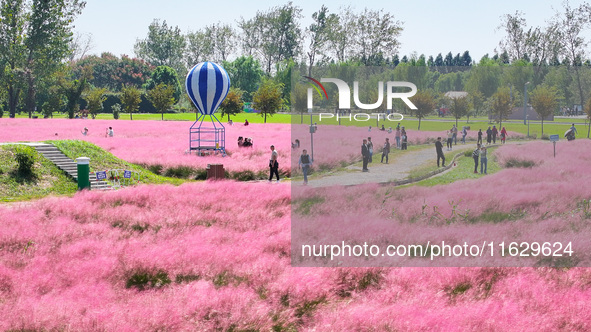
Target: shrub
<point x="246" y="175"/>
<point x="545" y="137"/>
<point x="201" y="174"/>
<point x="519" y="163"/>
<point x="181" y="172"/>
<point x="156" y="168"/>
<point x="25" y="157"/>
<point x="116" y="111"/>
<point x="468" y="154"/>
<point x="143" y="280"/>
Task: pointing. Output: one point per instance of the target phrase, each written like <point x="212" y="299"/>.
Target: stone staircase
<point x="67" y="165"/>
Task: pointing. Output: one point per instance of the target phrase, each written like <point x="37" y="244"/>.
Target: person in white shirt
<point x="273" y="164"/>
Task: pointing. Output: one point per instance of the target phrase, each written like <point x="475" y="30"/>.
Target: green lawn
<point x="252" y="117"/>
<point x="464" y="170"/>
<point x="102" y="160"/>
<point x="48" y="179"/>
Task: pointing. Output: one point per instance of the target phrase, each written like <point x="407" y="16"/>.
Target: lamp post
<point x="525" y="102"/>
<point x="527" y="117"/>
<point x="313" y="127"/>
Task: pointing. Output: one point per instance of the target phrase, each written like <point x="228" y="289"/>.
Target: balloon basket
<point x="207" y="135"/>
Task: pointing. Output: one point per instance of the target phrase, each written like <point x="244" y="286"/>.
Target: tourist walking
<point x="386" y="150"/>
<point x="398" y="135"/>
<point x="488" y="135"/>
<point x="495" y="132"/>
<point x="503" y="135"/>
<point x="273" y="164"/>
<point x="479" y="141"/>
<point x="365" y="155"/>
<point x="454" y="131"/>
<point x="450" y="136"/>
<point x="439" y="150"/>
<point x="305" y="163"/>
<point x="475" y="155"/>
<point x="404" y="139"/>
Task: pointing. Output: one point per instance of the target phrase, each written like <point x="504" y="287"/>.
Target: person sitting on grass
<point x="247" y="142"/>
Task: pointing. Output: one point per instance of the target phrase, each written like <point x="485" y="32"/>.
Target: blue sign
<point x="554" y="138"/>
<point x="101" y="175"/>
<point x="127" y="174"/>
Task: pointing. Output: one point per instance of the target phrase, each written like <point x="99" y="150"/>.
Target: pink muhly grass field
<point x="216" y="256"/>
<point x="164" y="143"/>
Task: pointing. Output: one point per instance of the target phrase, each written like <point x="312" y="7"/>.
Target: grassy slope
<point x="103" y="160"/>
<point x="50" y="180"/>
<point x="464" y="170"/>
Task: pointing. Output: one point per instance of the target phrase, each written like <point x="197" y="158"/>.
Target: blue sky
<point x="430" y="27"/>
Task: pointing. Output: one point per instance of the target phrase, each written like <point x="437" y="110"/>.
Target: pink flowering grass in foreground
<point x="197" y="257"/>
<point x="216" y="256"/>
<point x="547" y="202"/>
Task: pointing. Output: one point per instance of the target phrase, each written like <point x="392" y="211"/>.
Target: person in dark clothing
<point x="404" y="138"/>
<point x="439" y="149"/>
<point x="475" y="155"/>
<point x="386" y="150"/>
<point x="495" y="132"/>
<point x="365" y="155"/>
<point x="488" y="135"/>
<point x="479" y="136"/>
<point x="273" y="164"/>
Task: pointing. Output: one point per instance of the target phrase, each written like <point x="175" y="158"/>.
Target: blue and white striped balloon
<point x="207" y="85"/>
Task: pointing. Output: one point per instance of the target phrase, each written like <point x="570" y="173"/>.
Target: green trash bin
<point x="83" y="166"/>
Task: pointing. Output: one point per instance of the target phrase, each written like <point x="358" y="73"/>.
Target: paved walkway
<point x="398" y="169"/>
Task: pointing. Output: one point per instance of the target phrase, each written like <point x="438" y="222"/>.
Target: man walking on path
<point x="450" y="136"/>
<point x="475" y="155"/>
<point x="439" y="149"/>
<point x="464" y="134"/>
<point x="488" y="135"/>
<point x="365" y="155"/>
<point x="305" y="163"/>
<point x="454" y="131"/>
<point x="386" y="150"/>
<point x="273" y="164"/>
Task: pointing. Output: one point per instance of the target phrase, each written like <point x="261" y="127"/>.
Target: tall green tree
<point x="163" y="46"/>
<point x="425" y="103"/>
<point x="233" y="103"/>
<point x="501" y="105"/>
<point x="275" y="35"/>
<point x="378" y="33"/>
<point x="162" y="97"/>
<point x="544" y="100"/>
<point x="214" y="43"/>
<point x="47" y="41"/>
<point x="168" y="76"/>
<point x="268" y="98"/>
<point x="245" y="74"/>
<point x="131" y="98"/>
<point x="34" y="40"/>
<point x="95" y="99"/>
<point x="458" y="107"/>
<point x="72" y="88"/>
<point x="319" y="34"/>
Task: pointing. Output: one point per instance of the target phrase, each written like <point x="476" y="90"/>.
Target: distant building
<point x="456" y="94"/>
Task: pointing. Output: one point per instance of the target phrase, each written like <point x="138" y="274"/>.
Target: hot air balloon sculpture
<point x="207" y="85"/>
